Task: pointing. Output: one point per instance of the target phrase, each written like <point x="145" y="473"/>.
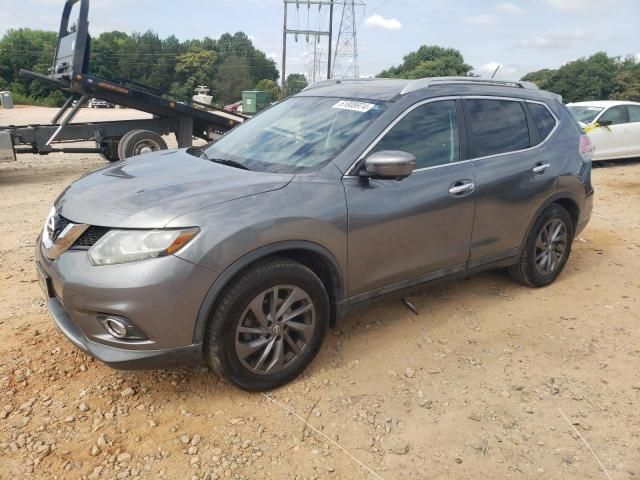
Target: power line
<point x="308" y="32"/>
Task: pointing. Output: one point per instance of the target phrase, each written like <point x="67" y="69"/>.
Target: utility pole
<point x="284" y="53"/>
<point x="330" y="40"/>
<point x="307" y="32"/>
<point x="345" y="60"/>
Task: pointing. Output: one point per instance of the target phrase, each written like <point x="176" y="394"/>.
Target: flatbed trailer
<point x="117" y="139"/>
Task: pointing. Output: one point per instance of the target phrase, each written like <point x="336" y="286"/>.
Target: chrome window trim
<point x="395" y="121"/>
<point x="350" y="174"/>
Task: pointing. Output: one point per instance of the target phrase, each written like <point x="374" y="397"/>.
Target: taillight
<point x="586" y="147"/>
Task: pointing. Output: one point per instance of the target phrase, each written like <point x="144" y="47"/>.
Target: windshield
<point x="583" y="113"/>
<point x="296" y="135"/>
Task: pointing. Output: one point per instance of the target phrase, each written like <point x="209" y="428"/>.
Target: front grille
<point x="90" y="237"/>
<point x="60" y="223"/>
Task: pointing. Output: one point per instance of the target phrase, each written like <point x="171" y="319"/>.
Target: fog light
<point x="115" y="327"/>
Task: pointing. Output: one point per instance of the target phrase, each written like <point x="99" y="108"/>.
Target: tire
<point x="542" y="261"/>
<point x="109" y="148"/>
<point x="236" y="327"/>
<point x="139" y="142"/>
<point x="123" y="141"/>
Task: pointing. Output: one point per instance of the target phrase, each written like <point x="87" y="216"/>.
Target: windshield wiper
<point x="227" y="162"/>
<point x="223" y="161"/>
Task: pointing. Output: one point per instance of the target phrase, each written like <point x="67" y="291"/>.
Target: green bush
<point x="51" y="101"/>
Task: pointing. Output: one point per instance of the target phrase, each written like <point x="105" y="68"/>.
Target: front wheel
<point x="268" y="325"/>
<point x="546" y="249"/>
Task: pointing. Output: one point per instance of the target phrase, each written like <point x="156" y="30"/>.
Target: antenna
<point x="496" y="71"/>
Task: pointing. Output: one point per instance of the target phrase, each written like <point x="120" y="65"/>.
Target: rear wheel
<point x="139" y="142"/>
<point x="268" y="325"/>
<point x="546" y="250"/>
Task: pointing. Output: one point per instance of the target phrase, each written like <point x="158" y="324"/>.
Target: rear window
<point x="542" y="118"/>
<point x="496" y="126"/>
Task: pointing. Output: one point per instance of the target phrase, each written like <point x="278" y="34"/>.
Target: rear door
<point x="610" y="141"/>
<point x="632" y="134"/>
<point x="515" y="172"/>
<point x="409" y="231"/>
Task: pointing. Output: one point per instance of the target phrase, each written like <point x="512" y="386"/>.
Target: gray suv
<point x="242" y="253"/>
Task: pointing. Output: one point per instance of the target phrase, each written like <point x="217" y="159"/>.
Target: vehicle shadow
<point x="444" y="307"/>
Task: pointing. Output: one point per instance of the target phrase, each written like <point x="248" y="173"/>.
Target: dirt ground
<point x="477" y="385"/>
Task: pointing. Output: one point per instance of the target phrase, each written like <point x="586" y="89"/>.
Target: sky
<point x="520" y="35"/>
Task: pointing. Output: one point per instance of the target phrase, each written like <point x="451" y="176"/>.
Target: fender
<point x="232" y="270"/>
<point x="552" y="199"/>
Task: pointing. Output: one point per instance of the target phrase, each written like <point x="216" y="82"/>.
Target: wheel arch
<point x="566" y="200"/>
<point x="314" y="256"/>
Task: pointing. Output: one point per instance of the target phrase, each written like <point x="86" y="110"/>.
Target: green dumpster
<point x="254" y="101"/>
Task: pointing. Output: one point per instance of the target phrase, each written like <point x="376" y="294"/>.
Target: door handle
<point x="541" y="168"/>
<point x="461" y="188"/>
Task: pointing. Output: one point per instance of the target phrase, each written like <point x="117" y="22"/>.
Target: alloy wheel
<point x="551" y="246"/>
<point x="275" y="329"/>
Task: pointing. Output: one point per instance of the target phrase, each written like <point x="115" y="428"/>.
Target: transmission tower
<point x="345" y="60"/>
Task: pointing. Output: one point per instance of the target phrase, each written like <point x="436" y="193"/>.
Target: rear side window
<point x="496" y="126"/>
<point x="542" y="118"/>
<point x="634" y="113"/>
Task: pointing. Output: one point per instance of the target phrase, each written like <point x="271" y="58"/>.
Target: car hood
<point x="151" y="190"/>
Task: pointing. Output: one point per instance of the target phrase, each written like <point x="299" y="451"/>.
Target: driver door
<point x="406" y="232"/>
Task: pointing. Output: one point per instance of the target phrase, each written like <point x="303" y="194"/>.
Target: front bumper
<point x="123" y="358"/>
<point x="161" y="297"/>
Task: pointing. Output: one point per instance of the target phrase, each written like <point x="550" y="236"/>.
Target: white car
<point x="97" y="103"/>
<point x="613" y="126"/>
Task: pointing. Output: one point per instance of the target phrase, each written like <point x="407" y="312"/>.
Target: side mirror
<point x="604" y="123"/>
<point x="389" y="164"/>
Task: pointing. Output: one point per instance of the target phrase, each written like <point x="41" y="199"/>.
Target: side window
<point x="616" y="115"/>
<point x="496" y="126"/>
<point x="634" y="113"/>
<point x="542" y="118"/>
<point x="430" y="132"/>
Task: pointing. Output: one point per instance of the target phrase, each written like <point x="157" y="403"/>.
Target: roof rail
<point x="427" y="82"/>
<point x="336" y="81"/>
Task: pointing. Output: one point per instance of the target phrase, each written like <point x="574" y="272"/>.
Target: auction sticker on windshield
<point x="354" y="106"/>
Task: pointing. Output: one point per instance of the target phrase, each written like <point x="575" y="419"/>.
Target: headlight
<point x="123" y="246"/>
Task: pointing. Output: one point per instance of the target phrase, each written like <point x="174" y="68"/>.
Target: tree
<point x="598" y="77"/>
<point x="231" y="79"/>
<point x="429" y="61"/>
<point x="31" y="50"/>
<point x="194" y="68"/>
<point x="295" y="83"/>
<point x="628" y="81"/>
<point x="269" y="86"/>
<point x="226" y="65"/>
<point x="542" y="78"/>
<point x="239" y="45"/>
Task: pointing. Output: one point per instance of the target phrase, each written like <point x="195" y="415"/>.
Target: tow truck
<point x="114" y="140"/>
